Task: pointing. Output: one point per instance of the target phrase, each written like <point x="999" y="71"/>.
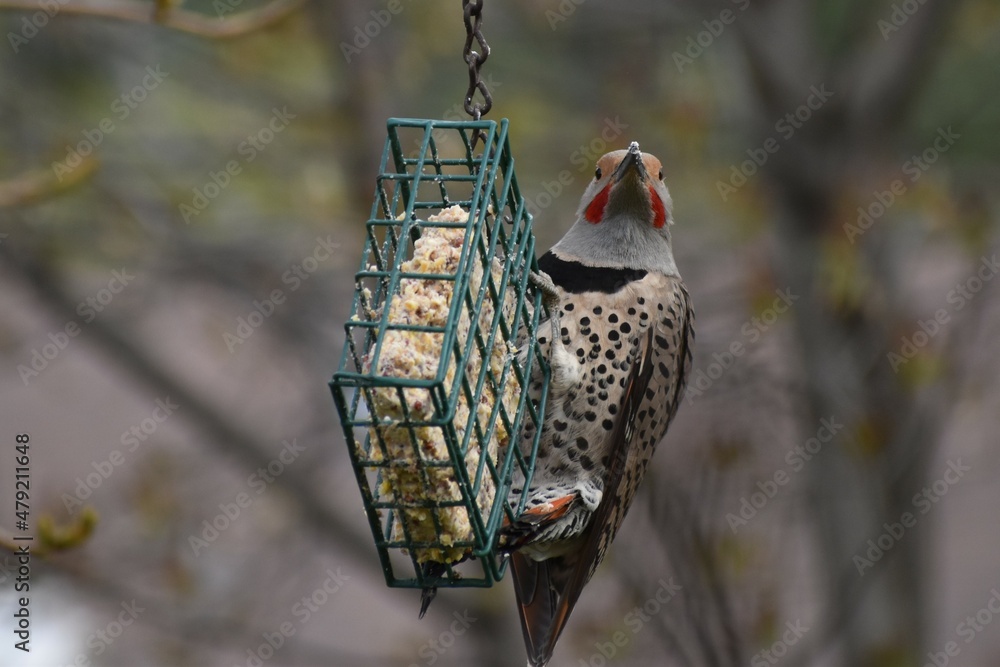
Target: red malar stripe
<point x="659" y="212"/>
<point x="595" y="212"/>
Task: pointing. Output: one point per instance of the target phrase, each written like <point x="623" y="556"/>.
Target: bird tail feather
<point x="543" y="602"/>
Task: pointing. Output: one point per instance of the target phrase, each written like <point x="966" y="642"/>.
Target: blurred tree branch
<point x="892" y="427"/>
<point x="885" y="86"/>
<point x="52" y="537"/>
<point x="684" y="518"/>
<point x="40" y="184"/>
<point x="225" y="436"/>
<point x="842" y="337"/>
<point x="828" y="357"/>
<point x="183" y="20"/>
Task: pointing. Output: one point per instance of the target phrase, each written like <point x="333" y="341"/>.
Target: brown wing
<point x="640" y="450"/>
<point x="548" y="590"/>
<point x="610" y="513"/>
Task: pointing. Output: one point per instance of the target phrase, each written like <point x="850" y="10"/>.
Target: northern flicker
<point x="619" y="343"/>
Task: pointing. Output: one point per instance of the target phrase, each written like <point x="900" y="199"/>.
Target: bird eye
<point x="597" y="174"/>
<point x="661" y="175"/>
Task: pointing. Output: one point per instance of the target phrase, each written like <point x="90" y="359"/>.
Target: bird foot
<point x="544" y="284"/>
<point x="527" y="527"/>
<point x="550" y="299"/>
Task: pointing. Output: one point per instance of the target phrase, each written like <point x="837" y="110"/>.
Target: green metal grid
<point x="429" y="165"/>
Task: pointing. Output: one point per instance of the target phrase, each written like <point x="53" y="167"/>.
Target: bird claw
<point x="550" y="299"/>
<point x="543" y="282"/>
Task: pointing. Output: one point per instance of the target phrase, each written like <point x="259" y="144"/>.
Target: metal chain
<point x="472" y="11"/>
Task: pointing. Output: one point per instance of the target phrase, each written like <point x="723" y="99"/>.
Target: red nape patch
<point x="595" y="212"/>
<point x="659" y="212"/>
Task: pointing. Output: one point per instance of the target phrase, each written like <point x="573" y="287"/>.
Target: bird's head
<point x="624" y="216"/>
<point x="628" y="185"/>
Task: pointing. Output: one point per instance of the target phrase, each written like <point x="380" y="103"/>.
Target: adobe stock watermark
<point x="59" y="340"/>
<point x="30" y="25"/>
<point x="923" y="502"/>
<point x="796" y="460"/>
<point x="751" y="330"/>
<point x="131" y="439"/>
<point x="583" y="158"/>
<point x="958" y="298"/>
<point x="968" y="629"/>
<point x="900" y="14"/>
<point x="785" y="127"/>
<point x="365" y="34"/>
<point x="101" y="639"/>
<point x="698" y="43"/>
<point x="913" y="169"/>
<point x="302" y="611"/>
<point x="248" y="149"/>
<point x="635" y="620"/>
<point x="121" y="108"/>
<point x="294" y="277"/>
<point x="779" y="649"/>
<point x="432" y="650"/>
<point x="561" y="13"/>
<point x="229" y="512"/>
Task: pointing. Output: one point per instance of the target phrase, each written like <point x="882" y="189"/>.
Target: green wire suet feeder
<point x="435" y="442"/>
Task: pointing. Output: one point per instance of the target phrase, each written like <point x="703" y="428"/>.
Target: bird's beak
<point x="631" y="163"/>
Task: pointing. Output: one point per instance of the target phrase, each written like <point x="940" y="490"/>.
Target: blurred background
<point x="828" y="494"/>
